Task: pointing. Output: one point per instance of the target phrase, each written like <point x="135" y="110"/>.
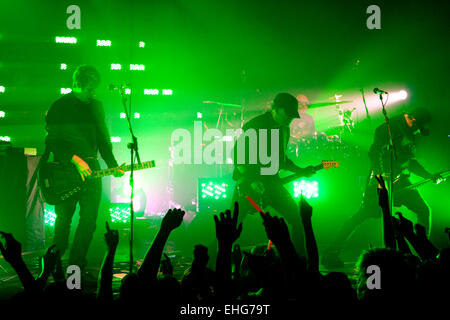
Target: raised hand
<point x="227" y="230"/>
<point x="58" y="273"/>
<point x="166" y="266"/>
<point x="49" y="260"/>
<point x="305" y="209"/>
<point x="421" y="232"/>
<point x="405" y="225"/>
<point x="111" y="238"/>
<point x="172" y="219"/>
<point x="276" y="228"/>
<point x="12" y="252"/>
<point x="383" y="199"/>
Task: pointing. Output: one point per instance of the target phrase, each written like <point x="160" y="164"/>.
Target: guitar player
<point x="76" y="134"/>
<point x="268" y="189"/>
<point x="404" y="129"/>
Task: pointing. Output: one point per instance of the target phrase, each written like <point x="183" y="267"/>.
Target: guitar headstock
<point x="329" y="164"/>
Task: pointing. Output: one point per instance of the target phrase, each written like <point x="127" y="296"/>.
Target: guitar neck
<point x="444" y="174"/>
<point x="109" y="172"/>
<point x="323" y="165"/>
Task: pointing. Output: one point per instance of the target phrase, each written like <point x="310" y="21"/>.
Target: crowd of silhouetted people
<point x="261" y="275"/>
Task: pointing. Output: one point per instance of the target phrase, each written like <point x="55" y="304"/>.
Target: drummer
<point x="305" y="126"/>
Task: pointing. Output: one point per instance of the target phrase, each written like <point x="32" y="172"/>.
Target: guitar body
<point x="59" y="182"/>
<point x="245" y="189"/>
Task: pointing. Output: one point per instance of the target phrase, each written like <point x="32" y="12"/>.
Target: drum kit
<point x="304" y="143"/>
<point x="324" y="145"/>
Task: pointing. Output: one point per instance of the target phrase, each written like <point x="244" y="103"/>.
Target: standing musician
<point x="404" y="129"/>
<point x="76" y="133"/>
<point x="268" y="189"/>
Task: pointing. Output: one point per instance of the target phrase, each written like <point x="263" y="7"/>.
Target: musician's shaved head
<point x="86" y="75"/>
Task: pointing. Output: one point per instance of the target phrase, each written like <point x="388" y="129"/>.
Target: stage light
<point x="49" y="215"/>
<point x="71" y="40"/>
<point x="214" y="190"/>
<point x="116" y="66"/>
<point x="167" y="92"/>
<point x="309" y="189"/>
<point x="5" y="138"/>
<point x="141" y="44"/>
<point x="103" y="43"/>
<point x="63" y="66"/>
<point x="127" y="91"/>
<point x="2" y="89"/>
<point x="66" y="90"/>
<point x="403" y="94"/>
<point x="137" y="115"/>
<point x="199" y="115"/>
<point x="123" y="115"/>
<point x="397" y="96"/>
<point x="120" y="213"/>
<point x="2" y="114"/>
<point x="151" y="92"/>
<point x="139" y="67"/>
<point x="115" y="139"/>
<point x="213" y="193"/>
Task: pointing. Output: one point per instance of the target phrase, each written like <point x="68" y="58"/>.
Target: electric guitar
<point x="444" y="175"/>
<point x="60" y="182"/>
<point x="245" y="189"/>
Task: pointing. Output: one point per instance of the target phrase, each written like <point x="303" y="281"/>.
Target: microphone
<point x="379" y="91"/>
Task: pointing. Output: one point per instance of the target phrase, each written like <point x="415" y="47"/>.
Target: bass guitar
<point x="60" y="182"/>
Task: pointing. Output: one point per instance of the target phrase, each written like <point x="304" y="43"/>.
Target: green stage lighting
<point x="116" y="66"/>
<point x="2" y="114"/>
<point x="5" y="138"/>
<point x="116" y="139"/>
<point x="71" y="40"/>
<point x="139" y="67"/>
<point x="2" y="89"/>
<point x="151" y="92"/>
<point x="120" y="213"/>
<point x="49" y="216"/>
<point x="214" y="190"/>
<point x="309" y="189"/>
<point x="63" y="66"/>
<point x="103" y="43"/>
<point x="167" y="92"/>
<point x="141" y="44"/>
<point x="66" y="90"/>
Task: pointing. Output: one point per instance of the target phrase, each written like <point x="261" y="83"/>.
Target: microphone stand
<point x="365" y="106"/>
<point x="133" y="146"/>
<point x="392" y="154"/>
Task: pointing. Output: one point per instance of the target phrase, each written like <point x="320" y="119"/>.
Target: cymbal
<point x="330" y="103"/>
<point x="223" y="104"/>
